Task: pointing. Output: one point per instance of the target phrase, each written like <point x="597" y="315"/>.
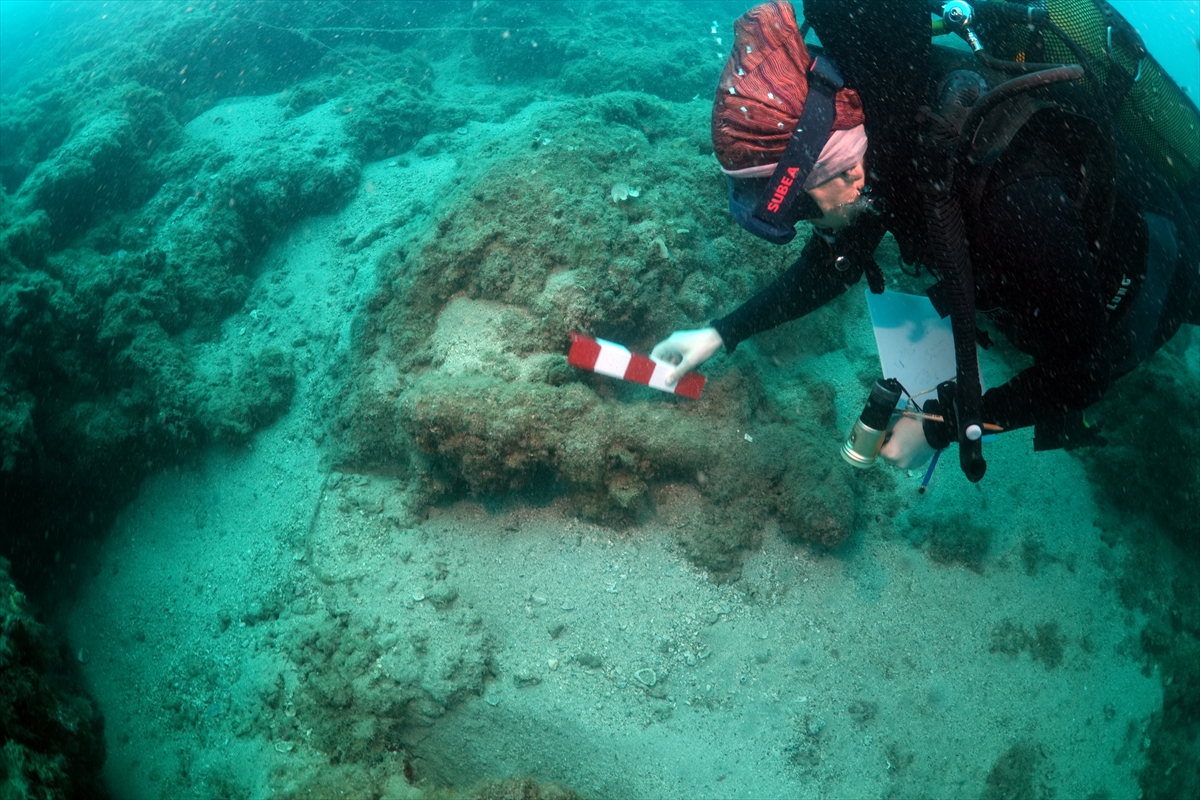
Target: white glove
<point x="687" y="350"/>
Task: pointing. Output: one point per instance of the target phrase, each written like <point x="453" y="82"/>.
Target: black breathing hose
<point x="952" y="260"/>
<point x="1056" y="73"/>
<point x="1018" y="67"/>
<point x="1011" y="13"/>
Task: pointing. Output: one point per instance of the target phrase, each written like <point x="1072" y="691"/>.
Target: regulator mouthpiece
<point x="866" y="201"/>
<point x="865" y="439"/>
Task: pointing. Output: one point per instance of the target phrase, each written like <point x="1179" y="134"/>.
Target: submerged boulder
<point x="463" y="377"/>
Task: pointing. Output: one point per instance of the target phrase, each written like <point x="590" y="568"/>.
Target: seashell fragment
<point x="623" y="191"/>
<point x="646" y="676"/>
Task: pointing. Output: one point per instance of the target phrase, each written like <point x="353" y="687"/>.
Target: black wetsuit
<point x="1034" y="274"/>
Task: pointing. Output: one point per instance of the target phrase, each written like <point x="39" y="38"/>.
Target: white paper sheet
<point x="916" y="346"/>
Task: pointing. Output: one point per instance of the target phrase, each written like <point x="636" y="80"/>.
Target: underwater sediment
<point x="293" y="453"/>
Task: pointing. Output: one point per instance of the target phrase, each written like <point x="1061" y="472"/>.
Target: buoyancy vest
<point x="1060" y="131"/>
<point x="1138" y="228"/>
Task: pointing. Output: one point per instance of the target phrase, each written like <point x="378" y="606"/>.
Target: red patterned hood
<point x="763" y="89"/>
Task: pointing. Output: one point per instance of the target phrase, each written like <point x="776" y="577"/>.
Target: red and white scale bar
<point x="609" y="358"/>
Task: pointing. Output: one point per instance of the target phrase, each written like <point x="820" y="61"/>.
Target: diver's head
<point x="789" y="136"/>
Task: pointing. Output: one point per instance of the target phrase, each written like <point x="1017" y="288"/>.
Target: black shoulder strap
<point x="785" y="187"/>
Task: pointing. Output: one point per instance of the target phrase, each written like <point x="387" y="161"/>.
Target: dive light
<point x="865" y="439"/>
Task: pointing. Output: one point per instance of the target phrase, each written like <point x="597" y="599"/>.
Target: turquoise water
<point x="302" y="497"/>
<point x="1166" y="28"/>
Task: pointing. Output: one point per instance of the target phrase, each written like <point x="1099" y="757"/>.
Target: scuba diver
<point x="1038" y="188"/>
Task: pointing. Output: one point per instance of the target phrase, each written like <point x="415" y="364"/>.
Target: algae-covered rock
<point x="238" y="397"/>
<point x="24" y="235"/>
<point x="462" y="374"/>
<point x="950" y="539"/>
<point x="31" y="127"/>
<point x="1140" y="471"/>
<point x="1019" y="773"/>
<point x="368" y="680"/>
<point x="95" y="170"/>
<point x="499" y="436"/>
<point x="713" y="487"/>
<point x="674" y="73"/>
<point x="390" y="119"/>
<point x="1172" y="769"/>
<point x="129" y="240"/>
<point x="823" y="507"/>
<point x="521" y="789"/>
<point x="53" y="734"/>
<point x="516" y="42"/>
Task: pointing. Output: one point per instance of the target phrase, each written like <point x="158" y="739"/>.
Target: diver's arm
<point x="1039" y="246"/>
<point x="808" y="284"/>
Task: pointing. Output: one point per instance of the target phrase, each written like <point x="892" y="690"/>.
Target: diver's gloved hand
<point x="941" y="434"/>
<point x="906" y="446"/>
<point x="687" y="350"/>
